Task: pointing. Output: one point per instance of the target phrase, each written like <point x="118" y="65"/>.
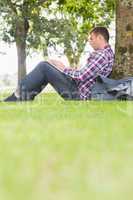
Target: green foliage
<point x="46" y="23"/>
<point x="94" y="11"/>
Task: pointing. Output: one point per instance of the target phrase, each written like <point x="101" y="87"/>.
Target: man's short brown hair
<point x="102" y="31"/>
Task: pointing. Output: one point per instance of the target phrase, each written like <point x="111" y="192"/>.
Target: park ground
<point x="52" y="149"/>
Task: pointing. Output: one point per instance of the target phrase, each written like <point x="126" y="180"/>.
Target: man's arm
<point x="90" y="70"/>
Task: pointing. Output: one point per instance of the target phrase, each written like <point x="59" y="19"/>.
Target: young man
<point x="71" y="84"/>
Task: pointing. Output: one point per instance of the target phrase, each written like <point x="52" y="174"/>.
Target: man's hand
<point x="58" y="64"/>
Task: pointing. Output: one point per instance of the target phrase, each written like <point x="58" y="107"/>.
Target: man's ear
<point x="101" y="37"/>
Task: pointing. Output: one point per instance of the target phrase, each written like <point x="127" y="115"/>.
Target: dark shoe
<point x="11" y="98"/>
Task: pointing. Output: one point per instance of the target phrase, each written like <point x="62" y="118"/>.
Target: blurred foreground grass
<point x="64" y="150"/>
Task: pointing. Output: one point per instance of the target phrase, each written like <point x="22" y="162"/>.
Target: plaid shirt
<point x="100" y="62"/>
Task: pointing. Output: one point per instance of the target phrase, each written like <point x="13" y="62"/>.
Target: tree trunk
<point x="21" y="53"/>
<point x="124" y="39"/>
<point x="22" y="27"/>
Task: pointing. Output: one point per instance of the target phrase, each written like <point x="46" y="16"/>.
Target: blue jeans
<point x="45" y="73"/>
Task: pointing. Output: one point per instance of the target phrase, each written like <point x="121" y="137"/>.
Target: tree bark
<point x="21" y="53"/>
<point x="21" y="34"/>
<point x="124" y="39"/>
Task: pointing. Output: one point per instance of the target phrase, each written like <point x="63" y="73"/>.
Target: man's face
<point x="94" y="40"/>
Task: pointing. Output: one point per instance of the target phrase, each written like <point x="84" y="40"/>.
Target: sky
<point x="8" y="56"/>
<point x="8" y="59"/>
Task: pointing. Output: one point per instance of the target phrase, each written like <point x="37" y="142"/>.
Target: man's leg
<point x="43" y="74"/>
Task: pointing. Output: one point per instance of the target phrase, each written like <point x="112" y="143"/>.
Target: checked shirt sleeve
<point x="91" y="70"/>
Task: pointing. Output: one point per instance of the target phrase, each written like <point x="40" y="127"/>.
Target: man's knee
<point x="43" y="66"/>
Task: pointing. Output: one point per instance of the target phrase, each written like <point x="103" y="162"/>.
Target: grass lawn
<point x="52" y="149"/>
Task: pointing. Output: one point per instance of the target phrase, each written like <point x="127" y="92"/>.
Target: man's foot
<point x="11" y="98"/>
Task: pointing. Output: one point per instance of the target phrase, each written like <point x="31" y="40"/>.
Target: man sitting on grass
<point x="71" y="84"/>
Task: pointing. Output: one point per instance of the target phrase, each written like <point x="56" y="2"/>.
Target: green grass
<point x="52" y="149"/>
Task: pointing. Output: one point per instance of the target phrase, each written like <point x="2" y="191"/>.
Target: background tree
<point x="19" y="16"/>
<point x="124" y="39"/>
